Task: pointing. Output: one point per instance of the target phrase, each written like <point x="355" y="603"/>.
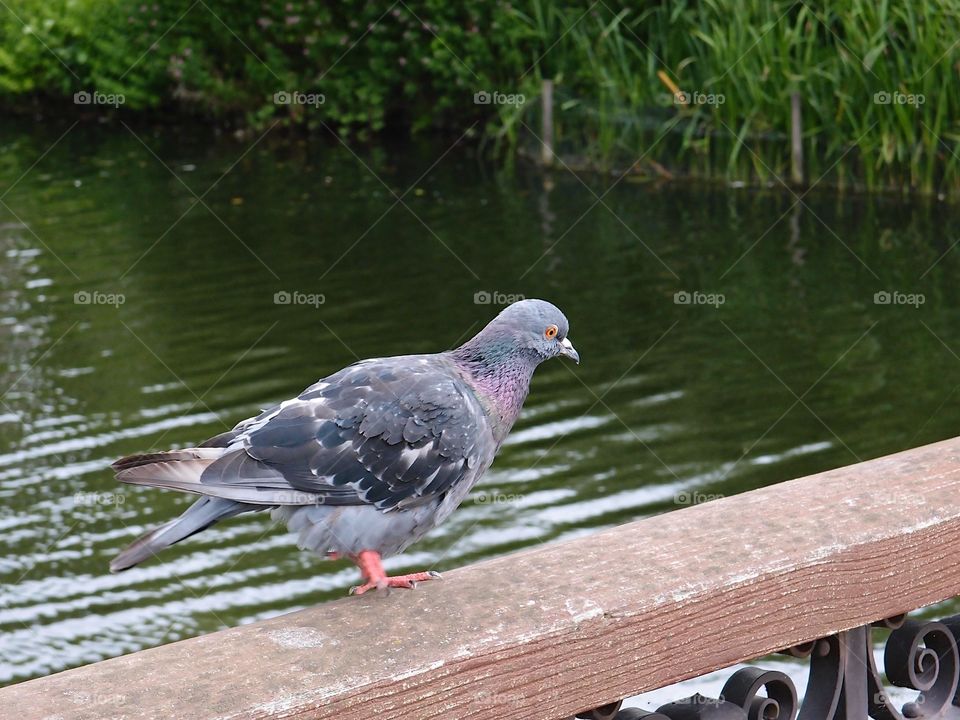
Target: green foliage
<point x="878" y="83"/>
<point x="225" y="59"/>
<point x="417" y="65"/>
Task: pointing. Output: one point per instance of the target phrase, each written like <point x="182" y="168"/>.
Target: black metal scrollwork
<point x="843" y="684"/>
<point x="780" y="702"/>
<point x="923" y="657"/>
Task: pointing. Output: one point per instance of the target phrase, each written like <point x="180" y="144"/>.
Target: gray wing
<point x="392" y="433"/>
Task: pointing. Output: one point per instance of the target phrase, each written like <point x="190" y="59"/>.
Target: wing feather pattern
<point x="390" y="433"/>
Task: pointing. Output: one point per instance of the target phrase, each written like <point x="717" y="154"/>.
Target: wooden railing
<point x="553" y="631"/>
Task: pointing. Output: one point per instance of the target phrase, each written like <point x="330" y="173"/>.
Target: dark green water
<point x="672" y="402"/>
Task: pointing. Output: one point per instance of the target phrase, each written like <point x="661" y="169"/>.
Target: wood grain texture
<point x="560" y="628"/>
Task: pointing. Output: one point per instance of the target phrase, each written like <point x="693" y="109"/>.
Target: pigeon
<point x="366" y="461"/>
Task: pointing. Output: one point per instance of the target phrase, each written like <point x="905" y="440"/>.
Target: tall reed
<point x="878" y="82"/>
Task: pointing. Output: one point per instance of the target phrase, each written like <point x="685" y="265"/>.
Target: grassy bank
<point x="877" y="81"/>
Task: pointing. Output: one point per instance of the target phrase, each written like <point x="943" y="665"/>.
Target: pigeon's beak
<point x="569" y="350"/>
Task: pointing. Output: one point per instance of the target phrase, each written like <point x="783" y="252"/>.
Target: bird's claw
<point x="408" y="582"/>
<point x="381" y="588"/>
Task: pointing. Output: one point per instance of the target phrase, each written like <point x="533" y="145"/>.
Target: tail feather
<point x="188" y="454"/>
<point x="182" y="470"/>
<point x="199" y="516"/>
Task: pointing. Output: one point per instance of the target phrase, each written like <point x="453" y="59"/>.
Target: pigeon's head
<point x="535" y="325"/>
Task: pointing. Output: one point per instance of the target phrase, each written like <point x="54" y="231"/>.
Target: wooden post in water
<point x="546" y="126"/>
<point x="796" y="140"/>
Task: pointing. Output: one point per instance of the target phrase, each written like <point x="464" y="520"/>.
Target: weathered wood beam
<point x="560" y="628"/>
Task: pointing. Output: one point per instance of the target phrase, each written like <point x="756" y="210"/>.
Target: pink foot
<point x="398" y="581"/>
<point x="377" y="579"/>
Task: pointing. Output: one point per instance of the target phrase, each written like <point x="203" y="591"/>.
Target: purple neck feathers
<point x="500" y="374"/>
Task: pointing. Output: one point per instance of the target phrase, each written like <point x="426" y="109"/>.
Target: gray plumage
<point x="369" y="458"/>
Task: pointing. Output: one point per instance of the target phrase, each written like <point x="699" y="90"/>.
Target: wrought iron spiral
<point x="744" y="686"/>
<point x="844" y="683"/>
<point x="922" y="657"/>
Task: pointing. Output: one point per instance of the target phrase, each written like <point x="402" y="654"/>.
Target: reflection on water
<point x="135" y="317"/>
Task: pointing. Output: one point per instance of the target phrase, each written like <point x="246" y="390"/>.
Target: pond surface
<point x="135" y="316"/>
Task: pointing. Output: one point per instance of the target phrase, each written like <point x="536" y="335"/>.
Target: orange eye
<point x="551" y="332"/>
